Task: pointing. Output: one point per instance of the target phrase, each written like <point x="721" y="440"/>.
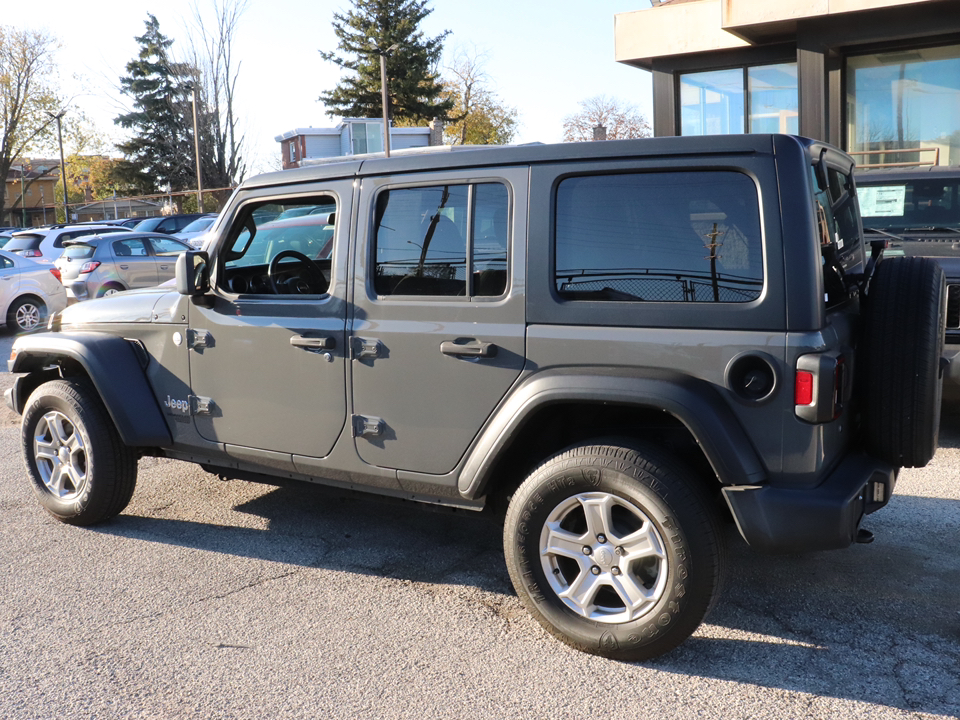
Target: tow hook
<point x="864" y="537"/>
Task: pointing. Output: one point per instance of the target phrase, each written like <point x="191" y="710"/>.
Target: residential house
<point x="352" y="136"/>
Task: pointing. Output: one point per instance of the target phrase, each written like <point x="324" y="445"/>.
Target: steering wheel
<point x="305" y="285"/>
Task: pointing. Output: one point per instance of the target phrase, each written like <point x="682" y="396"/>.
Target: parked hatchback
<point x="95" y="266"/>
<point x="29" y="292"/>
<point x="48" y="242"/>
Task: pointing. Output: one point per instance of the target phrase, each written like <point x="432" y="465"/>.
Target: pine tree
<point x="160" y="153"/>
<point x="374" y="26"/>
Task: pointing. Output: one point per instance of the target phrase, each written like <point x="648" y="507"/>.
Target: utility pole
<point x="384" y="95"/>
<point x="23" y="202"/>
<point x="63" y="165"/>
<point x="196" y="148"/>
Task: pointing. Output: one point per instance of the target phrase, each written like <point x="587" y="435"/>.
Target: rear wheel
<point x="615" y="550"/>
<point x="109" y="289"/>
<point x="901" y="390"/>
<point x="80" y="468"/>
<point x="26" y="314"/>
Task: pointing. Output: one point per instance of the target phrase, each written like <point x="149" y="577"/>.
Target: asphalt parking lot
<point x="237" y="600"/>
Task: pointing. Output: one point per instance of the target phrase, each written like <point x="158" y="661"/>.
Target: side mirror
<point x="193" y="275"/>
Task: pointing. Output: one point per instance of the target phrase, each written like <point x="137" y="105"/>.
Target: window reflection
<point x="758" y="99"/>
<point x="903" y="101"/>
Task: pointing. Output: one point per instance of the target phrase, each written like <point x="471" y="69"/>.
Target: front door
<point x="136" y="267"/>
<point x="438" y="325"/>
<point x="267" y="356"/>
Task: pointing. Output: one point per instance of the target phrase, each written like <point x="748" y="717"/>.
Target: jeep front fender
<point x="693" y="402"/>
<point x="112" y="365"/>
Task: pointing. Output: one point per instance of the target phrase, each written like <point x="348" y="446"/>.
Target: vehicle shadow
<point x="874" y="623"/>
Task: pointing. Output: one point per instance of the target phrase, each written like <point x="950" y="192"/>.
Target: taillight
<point x="820" y="386"/>
<point x="89" y="266"/>
<point x="803" y="391"/>
<point x="56" y="273"/>
<point x="32" y="253"/>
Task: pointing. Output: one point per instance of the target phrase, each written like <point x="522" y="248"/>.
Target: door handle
<point x="124" y="267"/>
<point x="313" y="344"/>
<point x="474" y="349"/>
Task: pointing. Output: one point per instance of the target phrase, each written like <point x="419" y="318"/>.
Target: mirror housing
<point x="192" y="272"/>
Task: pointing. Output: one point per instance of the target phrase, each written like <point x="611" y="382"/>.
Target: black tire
<point x="80" y="468"/>
<point x="648" y="497"/>
<point x="26" y="313"/>
<point x="901" y="384"/>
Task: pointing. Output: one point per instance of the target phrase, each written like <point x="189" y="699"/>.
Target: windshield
<point x="927" y="203"/>
<point x="199" y="225"/>
<point x="306" y="234"/>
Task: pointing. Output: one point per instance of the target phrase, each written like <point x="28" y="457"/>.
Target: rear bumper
<point x="781" y="520"/>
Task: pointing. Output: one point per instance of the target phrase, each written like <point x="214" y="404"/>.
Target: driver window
<point x="281" y="248"/>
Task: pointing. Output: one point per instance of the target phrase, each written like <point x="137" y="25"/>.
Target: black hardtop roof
<point x="488" y="156"/>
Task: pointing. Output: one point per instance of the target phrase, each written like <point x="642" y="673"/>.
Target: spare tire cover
<point x="900" y="380"/>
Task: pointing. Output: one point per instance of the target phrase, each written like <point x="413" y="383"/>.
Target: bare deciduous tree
<point x="620" y="120"/>
<point x="216" y="71"/>
<point x="478" y="116"/>
<point x="26" y="95"/>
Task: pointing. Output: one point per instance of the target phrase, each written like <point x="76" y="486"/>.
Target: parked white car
<point x="196" y="232"/>
<point x="29" y="292"/>
<point x="47" y="242"/>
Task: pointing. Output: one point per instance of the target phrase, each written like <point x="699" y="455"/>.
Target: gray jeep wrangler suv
<point x="623" y="344"/>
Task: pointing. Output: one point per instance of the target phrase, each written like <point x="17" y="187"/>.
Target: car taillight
<point x="32" y="253"/>
<point x="821" y="387"/>
<point x="56" y="273"/>
<point x="803" y="390"/>
<point x="89" y="266"/>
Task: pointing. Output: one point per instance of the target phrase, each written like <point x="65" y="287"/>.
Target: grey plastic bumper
<point x="782" y="520"/>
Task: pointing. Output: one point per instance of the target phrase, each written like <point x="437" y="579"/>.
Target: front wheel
<point x="80" y="468"/>
<point x="615" y="550"/>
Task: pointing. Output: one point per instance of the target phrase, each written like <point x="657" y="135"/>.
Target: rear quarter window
<point x="679" y="237"/>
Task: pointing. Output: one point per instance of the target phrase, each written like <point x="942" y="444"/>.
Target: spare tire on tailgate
<point x="901" y="384"/>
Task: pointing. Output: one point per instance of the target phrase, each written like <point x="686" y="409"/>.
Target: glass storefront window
<point x="905" y="100"/>
<point x="711" y="103"/>
<point x="758" y="99"/>
<point x="772" y="93"/>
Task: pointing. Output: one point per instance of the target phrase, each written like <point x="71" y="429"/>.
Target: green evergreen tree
<point x="374" y="26"/>
<point x="160" y="152"/>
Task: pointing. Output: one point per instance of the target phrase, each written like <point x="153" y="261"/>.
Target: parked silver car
<point x="95" y="266"/>
<point x="29" y="292"/>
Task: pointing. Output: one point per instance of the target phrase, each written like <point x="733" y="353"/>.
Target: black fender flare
<point x="114" y="368"/>
<point x="695" y="403"/>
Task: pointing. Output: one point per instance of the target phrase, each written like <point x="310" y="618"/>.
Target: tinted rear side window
<point x="659" y="237"/>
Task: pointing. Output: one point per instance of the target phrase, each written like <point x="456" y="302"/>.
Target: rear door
<point x="438" y="324"/>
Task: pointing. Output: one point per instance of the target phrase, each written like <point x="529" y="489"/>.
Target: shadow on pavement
<point x="874" y="623"/>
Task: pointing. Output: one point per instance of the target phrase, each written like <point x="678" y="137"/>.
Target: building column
<point x="819" y="87"/>
<point x="665" y="102"/>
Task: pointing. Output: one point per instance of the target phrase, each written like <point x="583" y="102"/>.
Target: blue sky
<point x="543" y="57"/>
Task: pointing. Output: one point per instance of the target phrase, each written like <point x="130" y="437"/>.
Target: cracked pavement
<point x="237" y="600"/>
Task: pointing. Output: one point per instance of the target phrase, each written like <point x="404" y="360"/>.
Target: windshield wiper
<point x="883" y="232"/>
<point x="933" y="228"/>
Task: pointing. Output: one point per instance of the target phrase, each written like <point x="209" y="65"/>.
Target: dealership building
<point x="879" y="78"/>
